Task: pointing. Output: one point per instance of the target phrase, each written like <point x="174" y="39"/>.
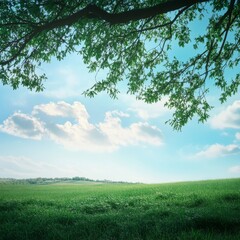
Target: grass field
<point x="191" y="210"/>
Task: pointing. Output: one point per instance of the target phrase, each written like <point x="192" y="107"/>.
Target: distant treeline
<point x="54" y="180"/>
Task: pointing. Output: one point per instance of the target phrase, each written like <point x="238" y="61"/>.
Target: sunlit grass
<point x="191" y="210"/>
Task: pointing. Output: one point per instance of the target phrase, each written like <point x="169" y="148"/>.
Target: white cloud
<point x="217" y="150"/>
<point x="68" y="125"/>
<point x="76" y="137"/>
<point x="76" y="111"/>
<point x="23" y="125"/>
<point x="234" y="169"/>
<point x="135" y="134"/>
<point x="229" y="118"/>
<point x="119" y="114"/>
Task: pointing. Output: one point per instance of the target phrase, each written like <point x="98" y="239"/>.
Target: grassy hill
<point x="188" y="210"/>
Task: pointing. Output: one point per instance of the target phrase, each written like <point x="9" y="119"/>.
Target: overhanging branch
<point x="95" y="12"/>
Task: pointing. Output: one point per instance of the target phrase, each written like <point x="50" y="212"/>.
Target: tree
<point x="135" y="41"/>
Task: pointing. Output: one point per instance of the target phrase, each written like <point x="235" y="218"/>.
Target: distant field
<point x="192" y="210"/>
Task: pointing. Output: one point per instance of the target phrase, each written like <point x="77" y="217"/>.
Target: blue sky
<point x="61" y="133"/>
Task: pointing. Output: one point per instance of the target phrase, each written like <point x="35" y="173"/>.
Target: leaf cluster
<point x="143" y="53"/>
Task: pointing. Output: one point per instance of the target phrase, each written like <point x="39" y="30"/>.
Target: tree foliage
<point x="135" y="41"/>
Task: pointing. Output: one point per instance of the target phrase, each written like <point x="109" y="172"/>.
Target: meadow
<point x="188" y="210"/>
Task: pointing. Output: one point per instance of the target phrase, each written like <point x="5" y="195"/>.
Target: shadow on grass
<point x="216" y="224"/>
<point x="231" y="197"/>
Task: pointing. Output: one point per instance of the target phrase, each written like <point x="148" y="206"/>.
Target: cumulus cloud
<point x="217" y="150"/>
<point x="23" y="125"/>
<point x="229" y="118"/>
<point x="234" y="169"/>
<point x="77" y="111"/>
<point x="68" y="125"/>
<point x="135" y="134"/>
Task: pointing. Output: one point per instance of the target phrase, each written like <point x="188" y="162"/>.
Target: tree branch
<point x="137" y="14"/>
<point x="230" y="10"/>
<point x="95" y="12"/>
<point x="21" y="48"/>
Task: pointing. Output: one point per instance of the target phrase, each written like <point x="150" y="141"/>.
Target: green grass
<point x="190" y="210"/>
